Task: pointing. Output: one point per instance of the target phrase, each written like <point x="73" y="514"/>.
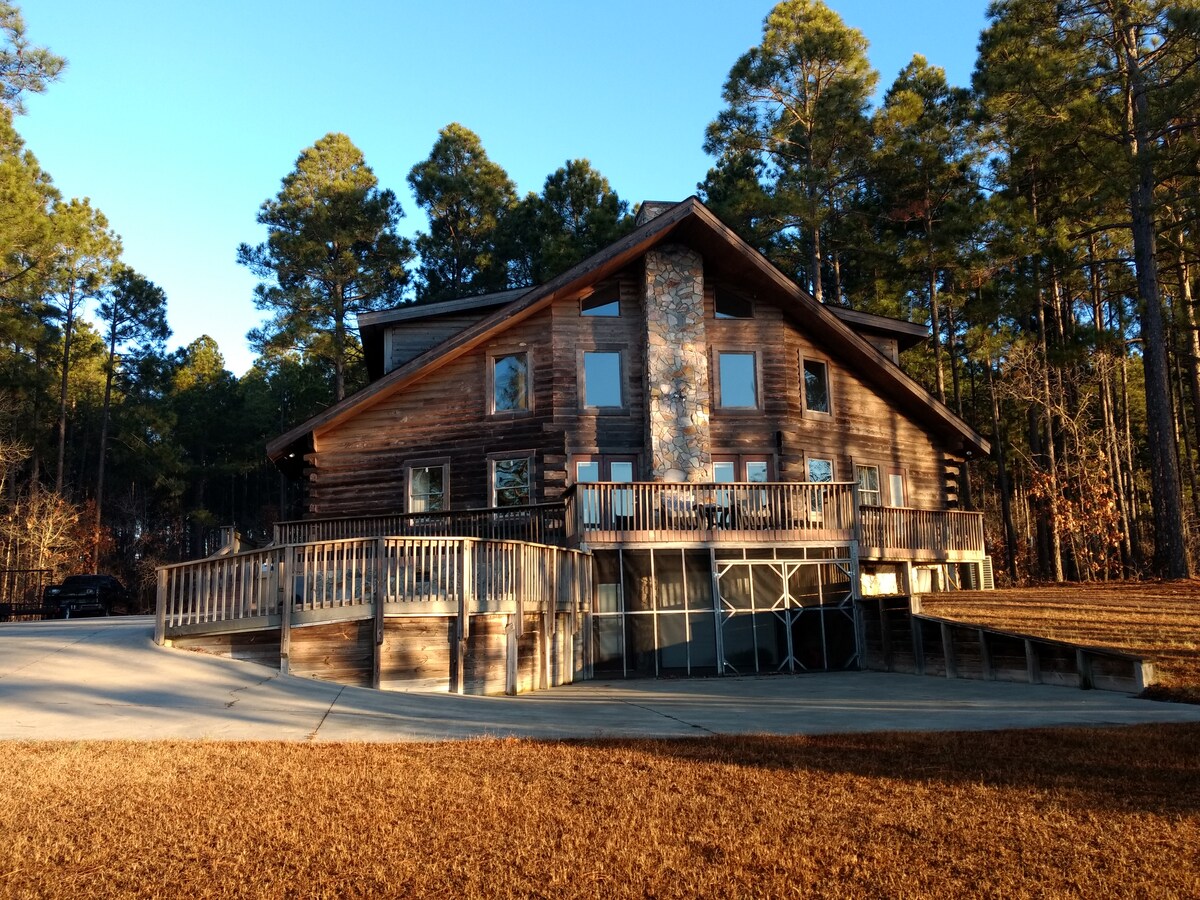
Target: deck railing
<point x="539" y="524"/>
<point x="889" y="532"/>
<point x="412" y="576"/>
<point x="595" y="514"/>
<point x="742" y="512"/>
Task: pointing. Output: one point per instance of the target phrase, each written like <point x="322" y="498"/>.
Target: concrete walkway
<point x="103" y="679"/>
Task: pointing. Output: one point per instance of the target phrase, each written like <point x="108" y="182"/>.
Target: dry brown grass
<point x="1157" y="620"/>
<point x="1072" y="813"/>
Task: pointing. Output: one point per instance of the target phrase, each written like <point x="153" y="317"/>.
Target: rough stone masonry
<point x="677" y="364"/>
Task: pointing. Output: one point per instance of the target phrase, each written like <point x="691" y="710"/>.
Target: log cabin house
<point x="668" y="460"/>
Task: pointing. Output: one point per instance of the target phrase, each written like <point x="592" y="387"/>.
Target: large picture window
<point x="602" y="379"/>
<point x="512" y="481"/>
<point x="737" y="380"/>
<point x="816" y="386"/>
<point x="510" y="383"/>
<point x="427" y="488"/>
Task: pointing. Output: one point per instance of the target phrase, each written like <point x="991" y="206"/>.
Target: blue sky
<point x="179" y="119"/>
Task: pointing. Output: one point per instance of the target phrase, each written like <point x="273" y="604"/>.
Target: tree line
<point x="1041" y="221"/>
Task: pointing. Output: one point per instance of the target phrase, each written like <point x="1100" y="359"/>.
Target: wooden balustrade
<point x="413" y="576"/>
<point x="741" y="512"/>
<point x="920" y="534"/>
<point x="539" y="524"/>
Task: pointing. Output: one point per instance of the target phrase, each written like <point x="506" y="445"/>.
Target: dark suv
<point x="85" y="595"/>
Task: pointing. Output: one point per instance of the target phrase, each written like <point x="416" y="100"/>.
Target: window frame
<point x="807" y="411"/>
<point x="879" y="470"/>
<point x="718" y="290"/>
<point x="494" y="356"/>
<point x="902" y="474"/>
<point x="718" y="389"/>
<point x="581" y="380"/>
<point x="442" y="462"/>
<point x="808" y="460"/>
<point x="740" y="460"/>
<point x="530" y="457"/>
<point x="615" y="290"/>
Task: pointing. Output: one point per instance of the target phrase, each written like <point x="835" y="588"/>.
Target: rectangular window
<point x="730" y="305"/>
<point x="816" y="386"/>
<point x="602" y="379"/>
<point x="755" y="469"/>
<point x="896" y="489"/>
<point x="510" y="383"/>
<point x="602" y="303"/>
<point x="820" y="469"/>
<point x="617" y="501"/>
<point x="427" y="488"/>
<point x="737" y="378"/>
<point x="868" y="485"/>
<point x="512" y="481"/>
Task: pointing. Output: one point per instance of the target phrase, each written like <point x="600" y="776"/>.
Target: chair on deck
<point x="677" y="509"/>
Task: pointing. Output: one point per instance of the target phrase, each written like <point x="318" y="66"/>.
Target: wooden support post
<point x="160" y="608"/>
<point x="1033" y="671"/>
<point x="918" y="644"/>
<point x="462" y="625"/>
<point x="285" y="608"/>
<point x="1083" y="665"/>
<point x="511" y="669"/>
<point x="379" y="600"/>
<point x="885" y="637"/>
<point x="948" y="651"/>
<point x="985" y="657"/>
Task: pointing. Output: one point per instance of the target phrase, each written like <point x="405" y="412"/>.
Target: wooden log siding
<point x="920" y="534"/>
<point x="730" y="513"/>
<point x="420" y="576"/>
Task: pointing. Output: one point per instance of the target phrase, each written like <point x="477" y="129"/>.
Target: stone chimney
<point x="676" y="363"/>
<point x="652" y="208"/>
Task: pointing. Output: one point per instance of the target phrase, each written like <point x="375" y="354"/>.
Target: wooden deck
<point x="651" y="514"/>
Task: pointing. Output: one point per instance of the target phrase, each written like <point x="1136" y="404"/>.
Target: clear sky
<point x="178" y="119"/>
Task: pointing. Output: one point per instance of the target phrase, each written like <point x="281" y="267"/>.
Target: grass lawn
<point x="1066" y="813"/>
<point x="1159" y="621"/>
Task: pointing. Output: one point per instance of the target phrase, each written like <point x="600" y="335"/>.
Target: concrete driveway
<point x="104" y="679"/>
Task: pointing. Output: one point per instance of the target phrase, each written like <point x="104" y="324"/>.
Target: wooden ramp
<point x="896" y="637"/>
<point x="457" y="614"/>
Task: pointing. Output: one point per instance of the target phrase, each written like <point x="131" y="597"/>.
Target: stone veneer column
<point x="677" y="364"/>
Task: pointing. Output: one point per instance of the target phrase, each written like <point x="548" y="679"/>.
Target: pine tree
<point x="332" y="251"/>
<point x="466" y="197"/>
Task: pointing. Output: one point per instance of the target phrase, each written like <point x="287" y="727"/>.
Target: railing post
<point x="462" y="627"/>
<point x="286" y="560"/>
<point x="160" y="607"/>
<point x="380" y="597"/>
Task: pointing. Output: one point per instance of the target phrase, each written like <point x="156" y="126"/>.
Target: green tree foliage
<point x="332" y="251"/>
<point x="577" y="214"/>
<point x="87" y="251"/>
<point x="796" y="105"/>
<point x="26" y="199"/>
<point x="924" y="175"/>
<point x="1076" y="80"/>
<point x="466" y="196"/>
<point x="133" y="312"/>
<point x="23" y="67"/>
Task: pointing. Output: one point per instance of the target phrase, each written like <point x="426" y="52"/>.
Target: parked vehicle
<point x="85" y="595"/>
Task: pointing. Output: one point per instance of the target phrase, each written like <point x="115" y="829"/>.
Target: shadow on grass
<point x="1138" y="768"/>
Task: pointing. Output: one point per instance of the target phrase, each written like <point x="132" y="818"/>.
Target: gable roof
<point x="692" y="223"/>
